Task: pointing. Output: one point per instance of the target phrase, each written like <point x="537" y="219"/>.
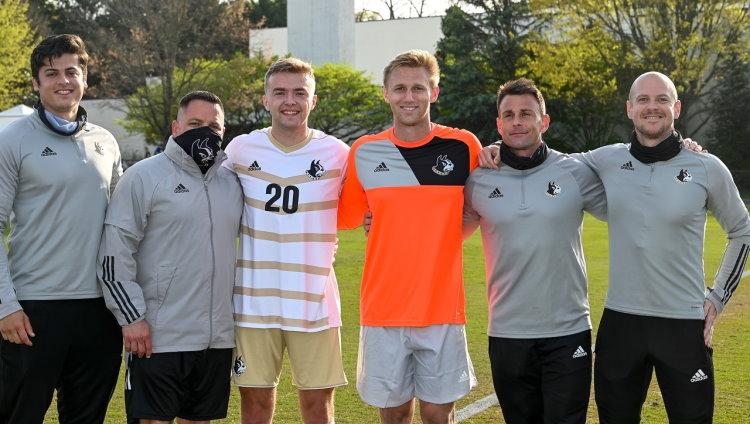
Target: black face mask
<point x="202" y="144"/>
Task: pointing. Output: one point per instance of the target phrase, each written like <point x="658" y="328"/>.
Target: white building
<point x="109" y="114"/>
<point x="367" y="46"/>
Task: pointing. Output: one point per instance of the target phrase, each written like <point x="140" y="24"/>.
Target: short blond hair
<point x="291" y="65"/>
<point x="415" y="59"/>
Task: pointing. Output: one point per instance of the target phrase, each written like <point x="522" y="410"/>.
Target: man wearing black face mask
<point x="167" y="270"/>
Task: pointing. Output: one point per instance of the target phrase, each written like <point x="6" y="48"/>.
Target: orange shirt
<point x="413" y="274"/>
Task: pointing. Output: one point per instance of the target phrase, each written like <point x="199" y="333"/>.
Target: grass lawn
<point x="731" y="339"/>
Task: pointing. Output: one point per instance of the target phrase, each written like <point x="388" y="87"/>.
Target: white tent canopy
<point x="14" y="113"/>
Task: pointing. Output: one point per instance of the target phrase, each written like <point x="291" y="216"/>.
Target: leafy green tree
<point x="147" y="40"/>
<point x="16" y="44"/>
<point x="349" y="104"/>
<point x="688" y="40"/>
<point x="267" y="13"/>
<point x="132" y="41"/>
<point x="476" y="54"/>
<point x="238" y="82"/>
<point x="577" y="73"/>
<point x="729" y="131"/>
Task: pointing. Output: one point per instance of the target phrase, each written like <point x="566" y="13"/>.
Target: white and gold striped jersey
<point x="285" y="277"/>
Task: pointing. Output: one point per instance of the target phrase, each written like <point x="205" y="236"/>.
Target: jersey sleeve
<point x="9" y="172"/>
<point x="231" y="151"/>
<point x="116" y="168"/>
<point x="353" y="201"/>
<point x="470" y="216"/>
<point x="590" y="186"/>
<point x="725" y="203"/>
<point x="474" y="148"/>
<point x="124" y="227"/>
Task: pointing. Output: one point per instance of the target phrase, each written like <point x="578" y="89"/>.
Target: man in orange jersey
<point x="411" y="177"/>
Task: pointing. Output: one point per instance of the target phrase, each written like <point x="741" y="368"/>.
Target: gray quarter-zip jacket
<point x="531" y="231"/>
<point x="54" y="189"/>
<point x="168" y="250"/>
<point x="657" y="222"/>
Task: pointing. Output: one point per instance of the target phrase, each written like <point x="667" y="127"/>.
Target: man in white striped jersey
<point x="286" y="295"/>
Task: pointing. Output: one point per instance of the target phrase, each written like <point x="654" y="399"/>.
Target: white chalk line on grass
<point x="475" y="408"/>
<point x="491" y="400"/>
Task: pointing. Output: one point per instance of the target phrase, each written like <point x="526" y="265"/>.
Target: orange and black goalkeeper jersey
<point x="413" y="266"/>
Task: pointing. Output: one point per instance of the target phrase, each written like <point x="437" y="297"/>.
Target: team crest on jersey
<point x="239" y="366"/>
<point x="553" y="189"/>
<point x="444" y="166"/>
<point x="683" y="177"/>
<point x="316" y="170"/>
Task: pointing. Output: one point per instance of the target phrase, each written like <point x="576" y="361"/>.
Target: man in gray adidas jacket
<point x="530" y="212"/>
<point x="658" y="313"/>
<point x="56" y="174"/>
<point x="167" y="270"/>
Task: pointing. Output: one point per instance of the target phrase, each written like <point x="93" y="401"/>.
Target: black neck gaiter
<point x="202" y="144"/>
<point x="519" y="162"/>
<point x="80" y="119"/>
<point x="665" y="150"/>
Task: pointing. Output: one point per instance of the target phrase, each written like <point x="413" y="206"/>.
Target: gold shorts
<point x="315" y="357"/>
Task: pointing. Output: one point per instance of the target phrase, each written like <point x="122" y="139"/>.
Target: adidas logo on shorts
<point x="699" y="376"/>
<point x="464" y="377"/>
<point x="579" y="353"/>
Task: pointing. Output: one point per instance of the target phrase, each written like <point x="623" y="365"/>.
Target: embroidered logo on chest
<point x="98" y="148"/>
<point x="444" y="166"/>
<point x="553" y="189"/>
<point x="683" y="177"/>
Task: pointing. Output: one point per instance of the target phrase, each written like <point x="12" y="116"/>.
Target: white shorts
<point x="397" y="364"/>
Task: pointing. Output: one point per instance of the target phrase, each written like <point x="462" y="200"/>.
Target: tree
<point x="730" y="129"/>
<point x="16" y="44"/>
<point x="349" y="104"/>
<point x="238" y="83"/>
<point x="688" y="40"/>
<point x="131" y="41"/>
<point x="147" y="40"/>
<point x="476" y="54"/>
<point x="577" y="73"/>
<point x="366" y="15"/>
<point x="267" y="13"/>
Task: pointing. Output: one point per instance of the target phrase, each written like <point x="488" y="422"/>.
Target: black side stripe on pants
<point x="734" y="277"/>
<point x="117" y="291"/>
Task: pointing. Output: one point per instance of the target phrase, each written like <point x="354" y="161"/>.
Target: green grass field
<point x="731" y="339"/>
